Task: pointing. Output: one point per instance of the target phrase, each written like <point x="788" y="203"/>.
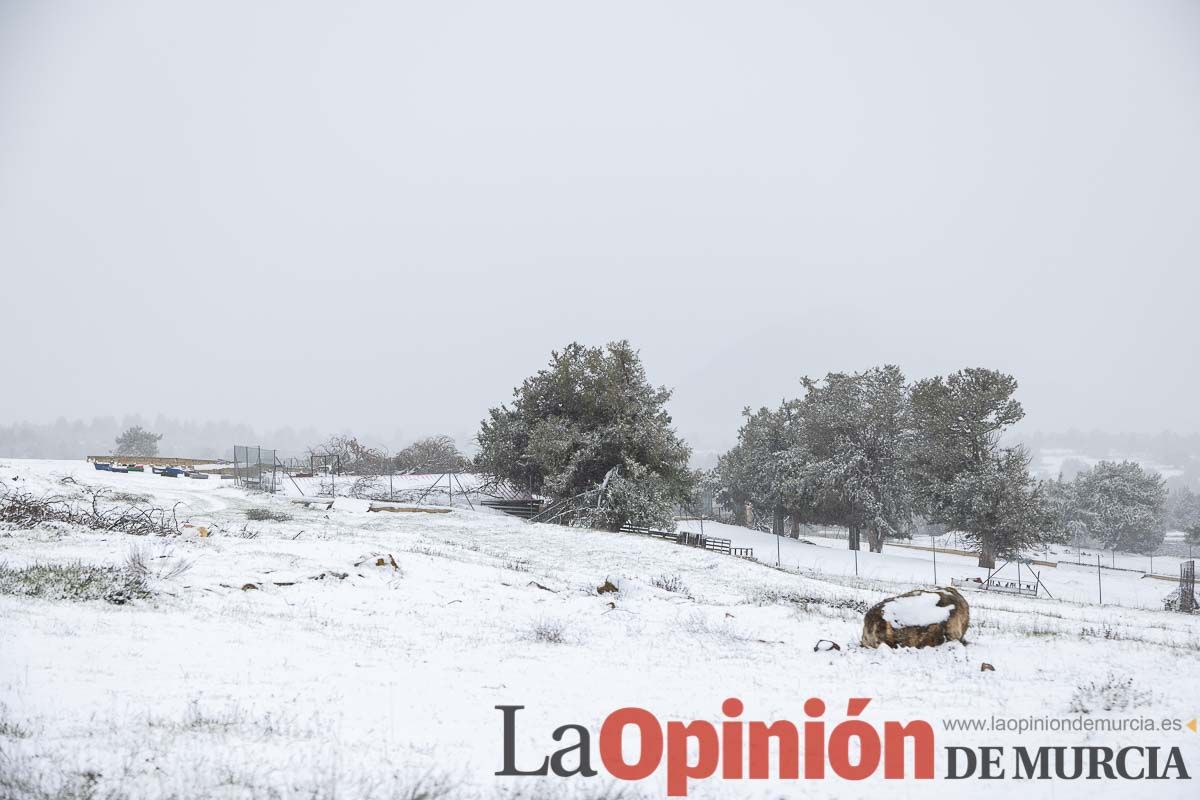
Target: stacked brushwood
<point x="91" y="508"/>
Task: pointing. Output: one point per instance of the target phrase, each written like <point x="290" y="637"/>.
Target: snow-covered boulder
<point x="920" y="618"/>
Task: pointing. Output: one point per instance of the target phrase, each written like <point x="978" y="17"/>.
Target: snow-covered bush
<point x="1111" y="694"/>
<point x="669" y="583"/>
<point x="143" y="564"/>
<point x="265" y="514"/>
<point x="10" y="728"/>
<point x="642" y="499"/>
<point x="75" y="581"/>
<point x="551" y="631"/>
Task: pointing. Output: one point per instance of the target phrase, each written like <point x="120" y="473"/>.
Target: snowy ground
<point x="1077" y="582"/>
<point x="384" y="683"/>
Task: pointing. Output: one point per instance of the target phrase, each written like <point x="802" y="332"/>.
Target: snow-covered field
<point x="1076" y="582"/>
<point x="261" y="671"/>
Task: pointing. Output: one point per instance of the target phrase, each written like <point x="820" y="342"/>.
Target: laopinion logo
<point x="852" y="749"/>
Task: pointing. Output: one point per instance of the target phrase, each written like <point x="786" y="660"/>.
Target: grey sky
<point x="380" y="216"/>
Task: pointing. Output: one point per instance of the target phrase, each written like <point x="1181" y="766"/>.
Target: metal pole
<point x="1099" y="584"/>
<point x="856" y="564"/>
<point x="1039" y="583"/>
<point x="464" y="493"/>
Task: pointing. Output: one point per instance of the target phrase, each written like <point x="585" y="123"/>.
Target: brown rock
<point x="606" y="587"/>
<point x="384" y="560"/>
<point x="920" y="618"/>
<point x="986" y="667"/>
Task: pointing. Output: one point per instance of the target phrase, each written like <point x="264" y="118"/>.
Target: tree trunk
<point x="987" y="551"/>
<point x="795" y="526"/>
<point x="777" y="521"/>
<point x="853" y="538"/>
<point x="740" y="517"/>
<point x="875" y="539"/>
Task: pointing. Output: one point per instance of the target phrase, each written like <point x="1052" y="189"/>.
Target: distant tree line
<point x="879" y="456"/>
<point x="868" y="451"/>
<point x="65" y="438"/>
<point x="1180" y="452"/>
<point x="433" y="454"/>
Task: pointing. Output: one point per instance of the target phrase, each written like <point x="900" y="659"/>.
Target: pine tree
<point x="138" y="442"/>
<point x="1000" y="507"/>
<point x="963" y="477"/>
<point x="592" y="409"/>
<point x="855" y="429"/>
<point x="765" y="439"/>
<point x="1123" y="506"/>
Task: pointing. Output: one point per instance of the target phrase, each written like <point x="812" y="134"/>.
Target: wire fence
<point x="256" y="468"/>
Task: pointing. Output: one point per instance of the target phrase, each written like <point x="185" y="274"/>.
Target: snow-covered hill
<point x="343" y="653"/>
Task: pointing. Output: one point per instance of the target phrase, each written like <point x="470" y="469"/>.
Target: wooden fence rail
<point x="689" y="539"/>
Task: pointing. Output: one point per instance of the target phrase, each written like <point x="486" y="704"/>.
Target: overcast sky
<point x="381" y="216"/>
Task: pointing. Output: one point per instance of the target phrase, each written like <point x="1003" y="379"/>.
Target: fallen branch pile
<point x="93" y="510"/>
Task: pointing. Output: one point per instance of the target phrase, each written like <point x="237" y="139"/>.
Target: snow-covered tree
<point x="833" y="457"/>
<point x="755" y="471"/>
<point x="136" y="441"/>
<point x="592" y="409"/>
<point x="1123" y="506"/>
<point x="1062" y="505"/>
<point x="732" y="483"/>
<point x="962" y="476"/>
<point x="1000" y="507"/>
<point x="432" y="454"/>
<point x="352" y="455"/>
<point x="1183" y="513"/>
<point x="855" y="430"/>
